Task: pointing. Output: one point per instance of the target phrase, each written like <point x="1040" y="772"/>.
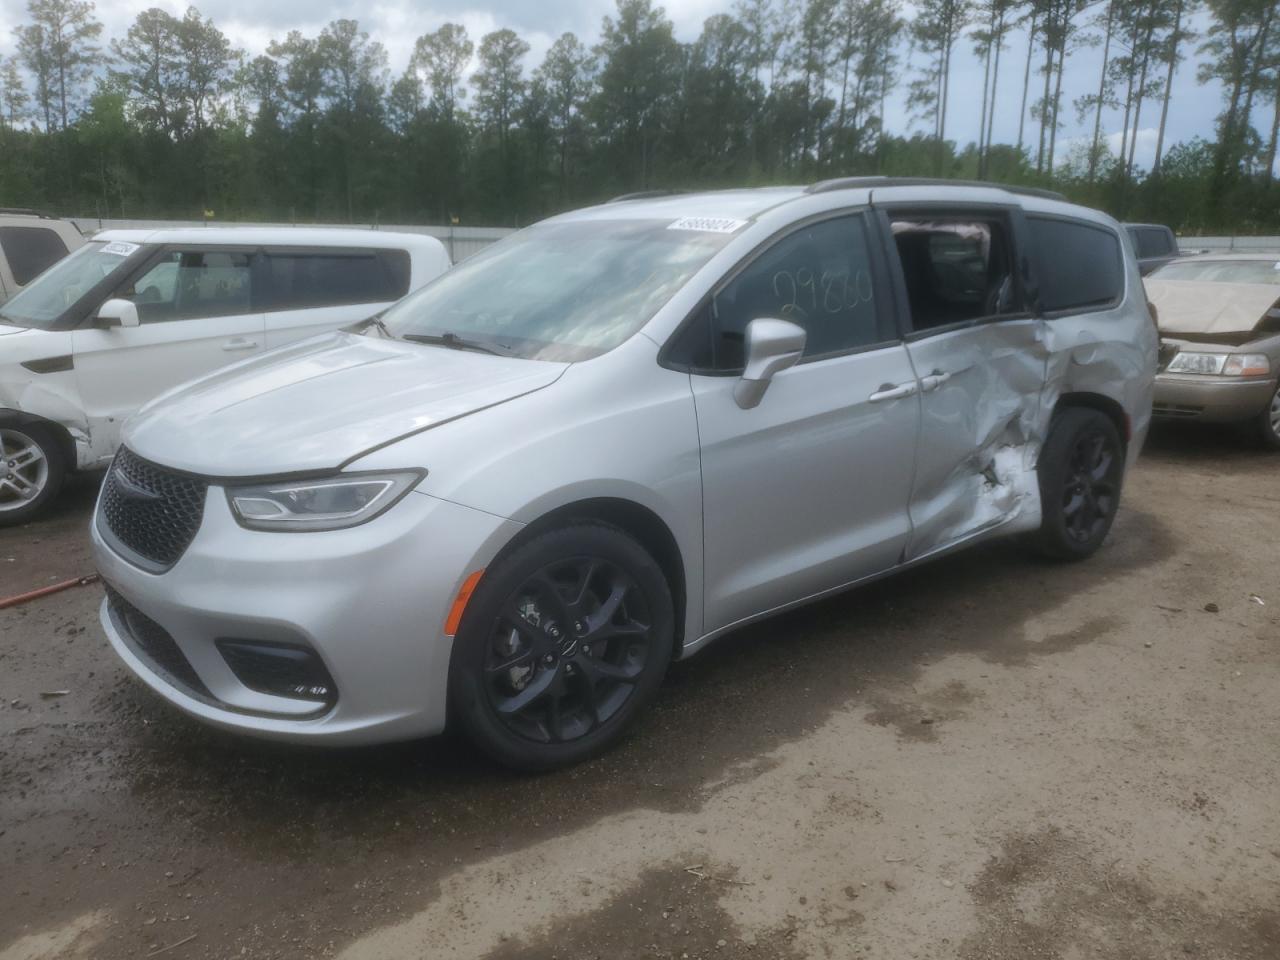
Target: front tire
<point x="1081" y="470"/>
<point x="1269" y="421"/>
<point x="563" y="642"/>
<point x="32" y="471"/>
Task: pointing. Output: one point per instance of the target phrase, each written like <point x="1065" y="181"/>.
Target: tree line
<point x="170" y="120"/>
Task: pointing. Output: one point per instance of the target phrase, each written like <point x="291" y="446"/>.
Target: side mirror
<point x="117" y="313"/>
<point x="771" y="346"/>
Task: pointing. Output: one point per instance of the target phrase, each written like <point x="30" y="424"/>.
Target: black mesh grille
<point x="152" y="511"/>
<point x="152" y="641"/>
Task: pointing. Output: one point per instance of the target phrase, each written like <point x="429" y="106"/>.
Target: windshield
<point x="48" y="296"/>
<point x="559" y="291"/>
<point x="1223" y="271"/>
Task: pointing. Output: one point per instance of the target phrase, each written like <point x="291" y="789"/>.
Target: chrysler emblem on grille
<point x="132" y="491"/>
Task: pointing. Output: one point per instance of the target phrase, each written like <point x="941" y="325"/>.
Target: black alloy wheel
<point x="562" y="643"/>
<point x="1081" y="472"/>
<point x="567" y="650"/>
<point x="1091" y="491"/>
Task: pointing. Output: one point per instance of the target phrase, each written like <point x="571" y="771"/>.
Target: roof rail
<point x="852" y="183"/>
<point x="26" y="212"/>
<point x="642" y="195"/>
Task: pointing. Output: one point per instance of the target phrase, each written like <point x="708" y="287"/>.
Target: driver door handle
<point x="889" y="391"/>
<point x="240" y="343"/>
<point x="934" y="381"/>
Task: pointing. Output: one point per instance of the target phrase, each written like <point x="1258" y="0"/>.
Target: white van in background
<point x="133" y="313"/>
<point x="30" y="243"/>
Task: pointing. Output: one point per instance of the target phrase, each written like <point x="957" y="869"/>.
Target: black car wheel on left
<point x="563" y="642"/>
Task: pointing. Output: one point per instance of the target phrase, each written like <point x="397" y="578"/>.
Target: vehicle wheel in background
<point x="32" y="471"/>
<point x="1081" y="470"/>
<point x="1269" y="421"/>
<point x="563" y="642"/>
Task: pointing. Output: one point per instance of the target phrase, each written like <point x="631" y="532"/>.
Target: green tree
<point x="13" y="94"/>
<point x="935" y="30"/>
<point x="58" y="48"/>
<point x="443" y="55"/>
<point x="566" y="74"/>
<point x="639" y="67"/>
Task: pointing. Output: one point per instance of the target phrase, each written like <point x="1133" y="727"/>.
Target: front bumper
<point x="1210" y="399"/>
<point x="370" y="601"/>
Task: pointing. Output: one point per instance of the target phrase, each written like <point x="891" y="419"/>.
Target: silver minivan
<point x="613" y="438"/>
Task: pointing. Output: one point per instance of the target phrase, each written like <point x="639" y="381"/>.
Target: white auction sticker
<point x="708" y="224"/>
<point x="120" y="248"/>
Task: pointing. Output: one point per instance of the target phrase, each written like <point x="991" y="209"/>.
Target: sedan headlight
<point x="331" y="503"/>
<point x="1220" y="364"/>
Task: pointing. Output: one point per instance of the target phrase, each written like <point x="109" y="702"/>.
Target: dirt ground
<point x="986" y="758"/>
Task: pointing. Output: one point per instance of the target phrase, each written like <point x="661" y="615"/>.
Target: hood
<point x="1191" y="307"/>
<point x="315" y="405"/>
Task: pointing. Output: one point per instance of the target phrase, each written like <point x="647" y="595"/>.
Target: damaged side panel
<point x="55" y="398"/>
<point x="984" y="423"/>
<point x="983" y="420"/>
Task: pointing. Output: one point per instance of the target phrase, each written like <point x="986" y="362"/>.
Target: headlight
<point x="1185" y="362"/>
<point x="1224" y="364"/>
<point x="331" y="503"/>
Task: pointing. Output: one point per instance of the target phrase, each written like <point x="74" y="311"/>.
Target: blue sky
<point x="251" y="24"/>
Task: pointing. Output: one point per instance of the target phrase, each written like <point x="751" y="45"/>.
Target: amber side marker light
<point x="460" y="603"/>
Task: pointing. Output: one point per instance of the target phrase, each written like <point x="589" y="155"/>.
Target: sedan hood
<point x="321" y="403"/>
<point x="1188" y="306"/>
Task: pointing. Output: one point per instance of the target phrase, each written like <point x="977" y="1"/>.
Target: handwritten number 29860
<point x="802" y="291"/>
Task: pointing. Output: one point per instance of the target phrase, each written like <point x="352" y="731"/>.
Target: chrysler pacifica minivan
<point x="611" y="439"/>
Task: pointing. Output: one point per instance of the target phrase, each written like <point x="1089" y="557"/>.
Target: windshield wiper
<point x="454" y="342"/>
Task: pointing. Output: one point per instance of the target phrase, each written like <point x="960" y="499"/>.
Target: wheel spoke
<point x="555" y="718"/>
<point x="560" y="611"/>
<point x="26" y="457"/>
<point x="601" y="618"/>
<point x="1102" y="468"/>
<point x="584" y="585"/>
<point x="588" y="685"/>
<point x="604" y="670"/>
<point x="523" y="659"/>
<point x="538" y="687"/>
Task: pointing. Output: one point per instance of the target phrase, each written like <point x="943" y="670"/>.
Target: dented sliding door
<point x="980" y="431"/>
<point x="979" y="355"/>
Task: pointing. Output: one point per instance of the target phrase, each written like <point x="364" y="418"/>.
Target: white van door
<point x="317" y="290"/>
<point x="196" y="312"/>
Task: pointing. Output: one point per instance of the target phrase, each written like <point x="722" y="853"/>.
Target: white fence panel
<point x="1231" y="244"/>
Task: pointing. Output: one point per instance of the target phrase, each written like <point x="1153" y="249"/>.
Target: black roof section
<point x="853" y="183"/>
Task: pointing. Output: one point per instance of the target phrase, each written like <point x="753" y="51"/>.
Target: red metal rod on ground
<point x="45" y="591"/>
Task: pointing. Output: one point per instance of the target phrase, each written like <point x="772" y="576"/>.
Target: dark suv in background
<point x="1153" y="244"/>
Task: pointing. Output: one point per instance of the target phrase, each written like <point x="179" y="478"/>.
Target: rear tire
<point x="1269" y="421"/>
<point x="1081" y="470"/>
<point x="32" y="470"/>
<point x="562" y="644"/>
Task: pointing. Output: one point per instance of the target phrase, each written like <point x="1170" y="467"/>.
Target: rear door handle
<point x="240" y="343"/>
<point x="888" y="391"/>
<point x="934" y="381"/>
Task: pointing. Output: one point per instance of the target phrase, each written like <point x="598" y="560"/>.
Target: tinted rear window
<point x="329" y="279"/>
<point x="30" y="250"/>
<point x="1151" y="242"/>
<point x="1080" y="265"/>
